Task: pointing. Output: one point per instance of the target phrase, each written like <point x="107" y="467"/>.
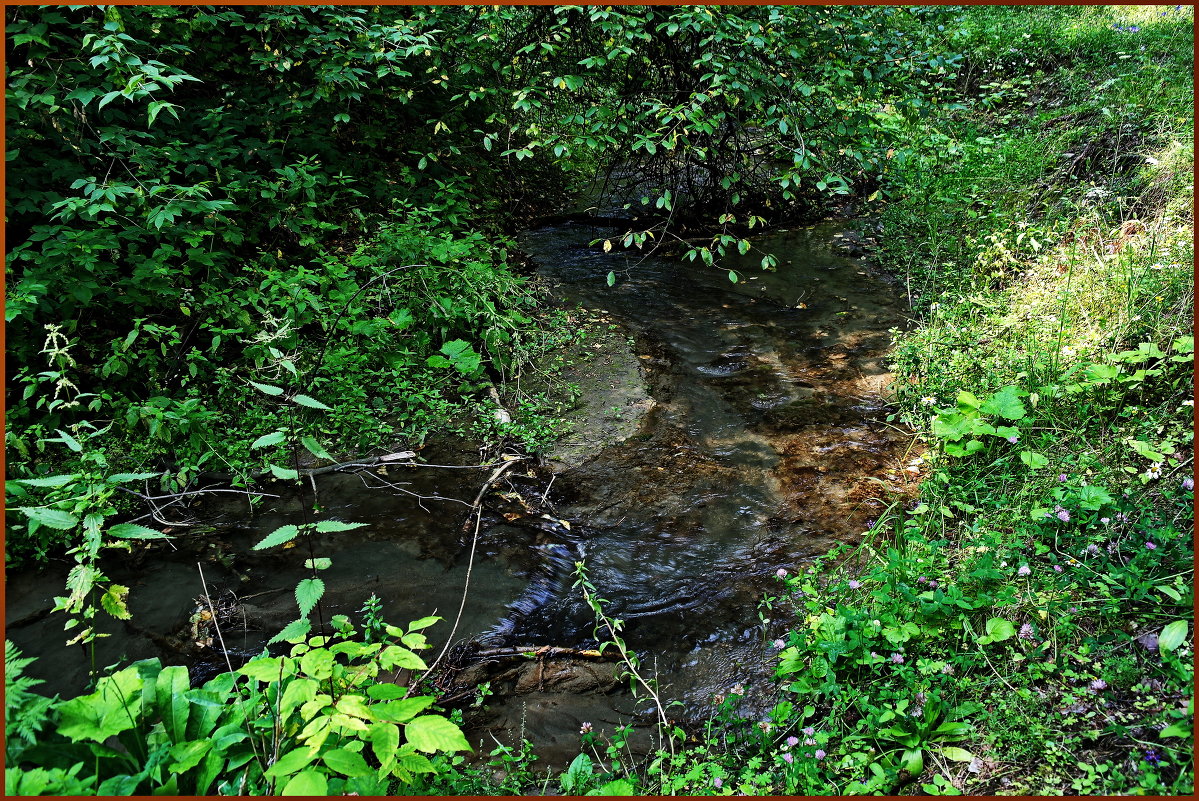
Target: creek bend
<point x="762" y="446"/>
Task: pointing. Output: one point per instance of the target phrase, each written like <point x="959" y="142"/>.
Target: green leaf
<point x="48" y="481"/>
<point x="278" y="537"/>
<point x="266" y="440"/>
<point x="186" y="755"/>
<point x="611" y="277"/>
<point x="114" y="707"/>
<point x="267" y="388"/>
<point x="403" y="710"/>
<point x="319" y="563"/>
<point x="1006" y="403"/>
<point x="315" y="448"/>
<point x="169" y="687"/>
<point x="1177" y="730"/>
<point x="999" y="629"/>
<point x="311" y="403"/>
<point x="1035" y="461"/>
<point x="617" y="787"/>
<point x="1093" y="497"/>
<point x="325" y="526"/>
<point x="294" y="760"/>
<point x="293" y="632"/>
<point x="69" y="441"/>
<point x="132" y="531"/>
<point x="310" y="782"/>
<point x="957" y="754"/>
<point x="1172" y="636"/>
<point x="308" y="594"/>
<point x="119" y="478"/>
<point x="285" y="473"/>
<point x="423" y="623"/>
<point x="968" y="402"/>
<point x="732" y="276"/>
<point x="347" y="763"/>
<point x="433" y="733"/>
<point x="299" y="691"/>
<point x="386" y="692"/>
<point x="268" y="668"/>
<point x="51" y="518"/>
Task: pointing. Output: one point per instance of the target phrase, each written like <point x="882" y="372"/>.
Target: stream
<point x="763" y="446"/>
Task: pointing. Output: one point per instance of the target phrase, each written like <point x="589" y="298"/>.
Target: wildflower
<point x="779" y="644"/>
<point x="1024" y="570"/>
<point x="928" y="400"/>
<point x="922" y="580"/>
<point x="947" y="669"/>
<point x="1063" y="516"/>
<point x="1098" y="684"/>
<point x="1061" y="477"/>
<point x="764" y="725"/>
<point x="1073" y="610"/>
<point x="718" y="699"/>
<point x="1057" y="568"/>
<point x="718" y="782"/>
<point x="1026" y="631"/>
<point x="820" y="754"/>
<point x="1188" y="483"/>
<point x="585" y="728"/>
<point x="1153" y="757"/>
<point x="1105" y="520"/>
<point x="854" y="584"/>
<point x="781" y="572"/>
<point x="737" y="689"/>
<point x="808" y="730"/>
<point x="897" y="658"/>
<point x="932" y="584"/>
<point x="1013" y="439"/>
<point x="1133" y="28"/>
<point x="1123" y="518"/>
<point x="792" y="741"/>
<point x="809" y="741"/>
<point x="1150" y="546"/>
<point x="788" y="758"/>
<point x="1155" y="470"/>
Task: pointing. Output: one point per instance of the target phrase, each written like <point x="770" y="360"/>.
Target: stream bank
<point x="724" y="432"/>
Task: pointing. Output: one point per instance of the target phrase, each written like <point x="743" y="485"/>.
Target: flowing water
<point x="764" y="447"/>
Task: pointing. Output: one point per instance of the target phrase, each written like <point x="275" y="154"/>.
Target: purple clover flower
<point x="788" y="758"/>
<point x="779" y="644"/>
<point x="1098" y="684"/>
<point x="1188" y="484"/>
<point x="1024" y="570"/>
<point x="897" y="658"/>
<point x="781" y="572"/>
<point x="1150" y="546"/>
<point x="808" y="730"/>
<point x="820" y="754"/>
<point x="1063" y="516"/>
<point x="1013" y="439"/>
<point x="1061" y="477"/>
<point x="1026" y="631"/>
<point x="792" y="741"/>
<point x="854" y="584"/>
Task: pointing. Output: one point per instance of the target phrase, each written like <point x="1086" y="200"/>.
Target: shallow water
<point x="764" y="447"/>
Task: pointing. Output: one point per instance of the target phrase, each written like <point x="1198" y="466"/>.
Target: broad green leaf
<point x="386" y="692"/>
<point x="952" y="426"/>
<point x="999" y="629"/>
<point x="1034" y="460"/>
<point x="114" y="707"/>
<point x="1176" y="730"/>
<point x="1172" y="636"/>
<point x="268" y="668"/>
<point x="433" y="733"/>
<point x="347" y="763"/>
<point x="299" y="692"/>
<point x="294" y="760"/>
<point x="284" y="473"/>
<point x="132" y="531"/>
<point x="120" y="478"/>
<point x="278" y="537"/>
<point x="317" y="663"/>
<point x="267" y="440"/>
<point x="385" y="740"/>
<point x="267" y="388"/>
<point x="617" y="787"/>
<point x="732" y="276"/>
<point x="293" y="632"/>
<point x="957" y="754"/>
<point x="315" y="448"/>
<point x="311" y="403"/>
<point x="1093" y="497"/>
<point x="611" y="278"/>
<point x="403" y="710"/>
<point x="423" y="623"/>
<point x="311" y="782"/>
<point x="394" y="657"/>
<point x="170" y="685"/>
<point x="319" y="563"/>
<point x="1006" y="403"/>
<point x="186" y="755"/>
<point x="968" y="402"/>
<point x="308" y="594"/>
<point x="326" y="526"/>
<point x="51" y="518"/>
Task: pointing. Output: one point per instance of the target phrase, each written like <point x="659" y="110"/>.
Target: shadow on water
<point x="764" y="447"/>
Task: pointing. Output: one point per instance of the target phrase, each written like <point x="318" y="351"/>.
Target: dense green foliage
<point x="218" y="217"/>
